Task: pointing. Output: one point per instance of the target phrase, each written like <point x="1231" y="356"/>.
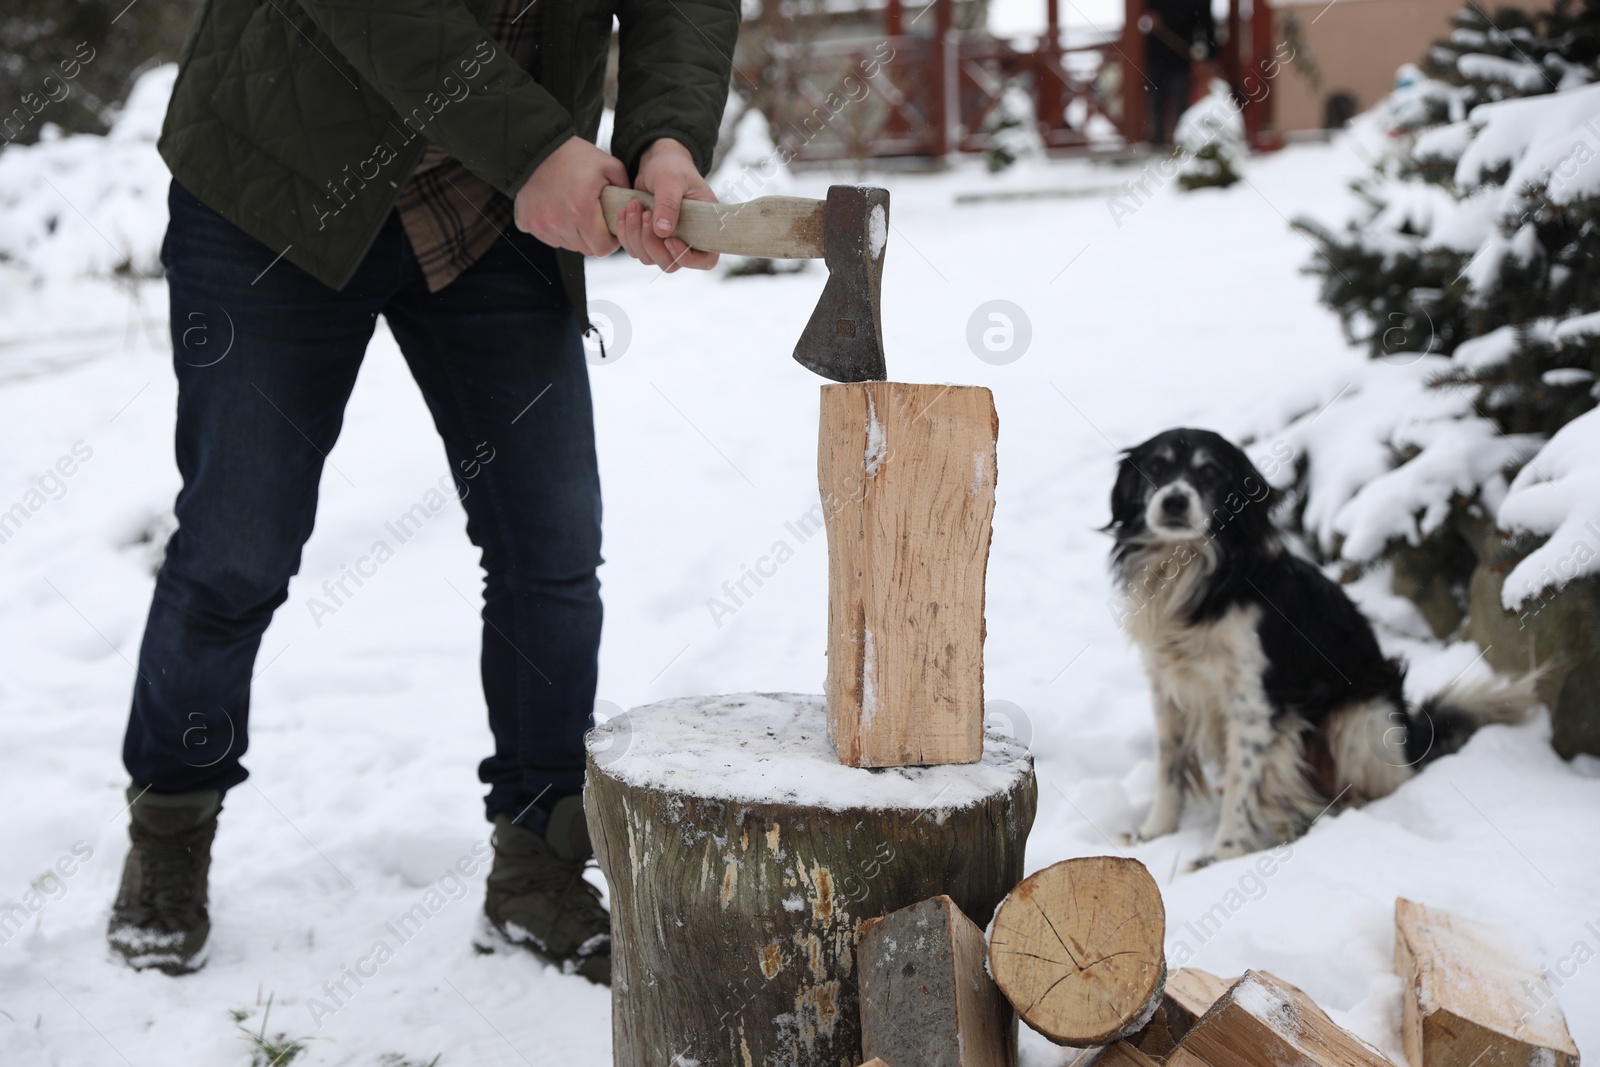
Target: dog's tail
<point x="1441" y="724"/>
<point x="1377" y="746"/>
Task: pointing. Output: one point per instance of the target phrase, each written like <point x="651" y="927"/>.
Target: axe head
<point x="844" y="339"/>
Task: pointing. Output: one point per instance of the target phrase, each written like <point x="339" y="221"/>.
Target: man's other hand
<point x="667" y="172"/>
<point x="560" y="202"/>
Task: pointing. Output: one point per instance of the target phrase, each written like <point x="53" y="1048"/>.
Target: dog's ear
<point x="1255" y="520"/>
<point x="1127" y="496"/>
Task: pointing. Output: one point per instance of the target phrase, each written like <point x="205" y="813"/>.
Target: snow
<point x="1557" y="494"/>
<point x="1454" y="458"/>
<point x="367" y="730"/>
<point x="773" y="748"/>
<point x="1536" y="133"/>
<point x="877" y="443"/>
<point x="1525" y="77"/>
<point x="877" y="230"/>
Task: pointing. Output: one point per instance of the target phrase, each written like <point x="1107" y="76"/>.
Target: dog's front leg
<point x="1172" y="760"/>
<point x="1243" y="827"/>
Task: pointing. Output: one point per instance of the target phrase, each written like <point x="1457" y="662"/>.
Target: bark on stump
<point x="743" y="859"/>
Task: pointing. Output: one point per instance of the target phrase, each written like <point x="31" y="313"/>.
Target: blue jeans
<point x="254" y="426"/>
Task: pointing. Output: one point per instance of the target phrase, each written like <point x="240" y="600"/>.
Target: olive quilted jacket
<point x="299" y="120"/>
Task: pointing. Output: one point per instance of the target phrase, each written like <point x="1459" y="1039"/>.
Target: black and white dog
<point x="1260" y="664"/>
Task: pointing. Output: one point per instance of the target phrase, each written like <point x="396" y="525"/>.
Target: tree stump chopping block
<point x="743" y="859"/>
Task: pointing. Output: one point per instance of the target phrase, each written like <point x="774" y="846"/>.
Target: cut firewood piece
<point x="907" y="475"/>
<point x="926" y="999"/>
<point x="1077" y="949"/>
<point x="1263" y="1021"/>
<point x="1182" y="1057"/>
<point x="1189" y="994"/>
<point x="1474" y="994"/>
<point x="1156" y="1040"/>
<point x="1123" y="1054"/>
<point x="874" y="1062"/>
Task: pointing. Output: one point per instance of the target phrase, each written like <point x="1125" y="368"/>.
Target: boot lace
<point x="563" y="881"/>
<point x="169" y="864"/>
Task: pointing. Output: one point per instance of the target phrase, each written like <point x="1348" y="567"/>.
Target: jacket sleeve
<point x="675" y="58"/>
<point x="449" y="81"/>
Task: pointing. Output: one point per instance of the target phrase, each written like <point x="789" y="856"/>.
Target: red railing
<point x="931" y="91"/>
<point x="929" y="95"/>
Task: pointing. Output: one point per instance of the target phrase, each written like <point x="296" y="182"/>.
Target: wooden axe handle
<point x="774" y="227"/>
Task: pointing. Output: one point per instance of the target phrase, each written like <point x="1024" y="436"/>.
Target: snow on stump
<point x="1474" y="994"/>
<point x="744" y="858"/>
<point x="907" y="477"/>
<point x="1077" y="949"/>
<point x="925" y="995"/>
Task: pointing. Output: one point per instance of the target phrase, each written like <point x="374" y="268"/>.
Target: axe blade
<point x="844" y="339"/>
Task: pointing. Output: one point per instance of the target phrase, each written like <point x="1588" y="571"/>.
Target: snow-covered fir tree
<point x="1470" y="273"/>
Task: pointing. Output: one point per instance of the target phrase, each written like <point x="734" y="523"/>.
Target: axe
<point x="844" y="339"/>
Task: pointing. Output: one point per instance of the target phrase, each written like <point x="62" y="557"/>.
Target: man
<point x="334" y="160"/>
<point x="1177" y="34"/>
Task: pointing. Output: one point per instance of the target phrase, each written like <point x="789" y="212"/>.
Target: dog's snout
<point x="1175" y="505"/>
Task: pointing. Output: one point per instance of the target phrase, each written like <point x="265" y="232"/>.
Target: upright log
<point x="907" y="474"/>
<point x="1473" y="995"/>
<point x="743" y="859"/>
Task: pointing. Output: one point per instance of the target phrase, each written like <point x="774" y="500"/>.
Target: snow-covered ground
<point x="368" y="727"/>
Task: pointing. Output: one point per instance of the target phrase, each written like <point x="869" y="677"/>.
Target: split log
<point x="926" y="999"/>
<point x="743" y="859"/>
<point x="1123" y="1054"/>
<point x="1077" y="949"/>
<point x="1156" y="1040"/>
<point x="1188" y="994"/>
<point x="1182" y="1057"/>
<point x="1263" y="1021"/>
<point x="907" y="474"/>
<point x="1474" y="995"/>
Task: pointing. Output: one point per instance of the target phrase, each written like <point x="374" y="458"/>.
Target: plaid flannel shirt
<point x="450" y="214"/>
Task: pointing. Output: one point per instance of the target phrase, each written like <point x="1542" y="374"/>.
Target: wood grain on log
<point x="1263" y="1021"/>
<point x="926" y="998"/>
<point x="743" y="859"/>
<point x="1077" y="949"/>
<point x="1123" y="1054"/>
<point x="1474" y="995"/>
<point x="907" y="474"/>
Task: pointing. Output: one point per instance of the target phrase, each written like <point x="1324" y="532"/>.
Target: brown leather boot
<point x="159" y="919"/>
<point x="538" y="899"/>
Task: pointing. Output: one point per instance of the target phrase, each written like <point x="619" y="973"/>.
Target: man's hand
<point x="560" y="202"/>
<point x="667" y="172"/>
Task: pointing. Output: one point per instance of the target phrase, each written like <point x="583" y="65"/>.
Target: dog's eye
<point x="1156" y="465"/>
<point x="1207" y="472"/>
